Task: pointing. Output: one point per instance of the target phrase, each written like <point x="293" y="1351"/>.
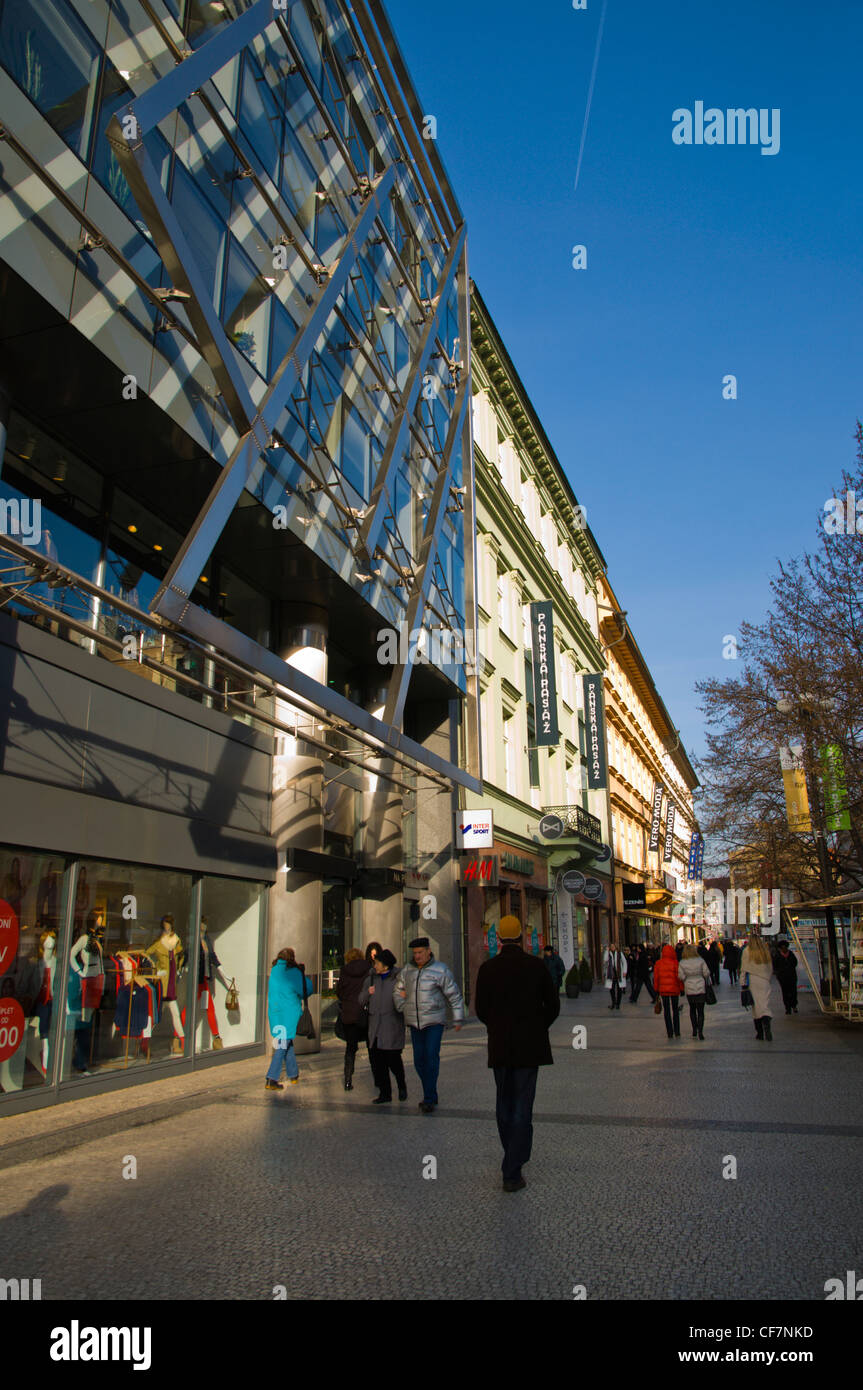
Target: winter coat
<point x="760" y="980"/>
<point x="386" y="1026"/>
<point x="665" y="976"/>
<point x="351" y="980"/>
<point x="285" y="999"/>
<point x="785" y="968"/>
<point x="555" y="967"/>
<point x="422" y="992"/>
<point x="731" y="957"/>
<point x="643" y="966"/>
<point x="517" y="1001"/>
<point x="694" y="974"/>
<point x="612" y="960"/>
<point x="714" y="956"/>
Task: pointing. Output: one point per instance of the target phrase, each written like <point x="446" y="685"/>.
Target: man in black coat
<point x="517" y="1001"/>
<point x="785" y="970"/>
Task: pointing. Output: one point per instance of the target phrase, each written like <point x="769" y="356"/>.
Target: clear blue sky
<point x="702" y="261"/>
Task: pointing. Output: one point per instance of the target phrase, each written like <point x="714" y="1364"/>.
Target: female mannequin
<point x="209" y="969"/>
<point x="86" y="986"/>
<point x="167" y="956"/>
<point x="44" y="1007"/>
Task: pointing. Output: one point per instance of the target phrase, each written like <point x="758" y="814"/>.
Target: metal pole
<point x="823" y="861"/>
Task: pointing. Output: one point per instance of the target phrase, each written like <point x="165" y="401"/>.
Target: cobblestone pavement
<point x="239" y="1191"/>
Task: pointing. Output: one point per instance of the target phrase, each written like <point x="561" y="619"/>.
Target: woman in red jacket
<point x="666" y="982"/>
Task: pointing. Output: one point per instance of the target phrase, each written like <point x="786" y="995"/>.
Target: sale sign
<point x="8" y="936"/>
<point x="11" y="1027"/>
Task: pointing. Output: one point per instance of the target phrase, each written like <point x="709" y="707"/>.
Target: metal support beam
<point x="213" y="517"/>
<point x="400" y="678"/>
<point x="373" y="524"/>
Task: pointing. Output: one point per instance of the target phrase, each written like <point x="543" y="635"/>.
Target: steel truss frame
<point x="256" y="425"/>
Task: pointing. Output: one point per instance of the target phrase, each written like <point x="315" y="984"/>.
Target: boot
<point x="349" y="1072"/>
<point x="759" y="1029"/>
<point x="768" y="1035"/>
<point x="176" y="1046"/>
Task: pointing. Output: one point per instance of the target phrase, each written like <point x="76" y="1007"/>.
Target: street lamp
<point x="806" y="707"/>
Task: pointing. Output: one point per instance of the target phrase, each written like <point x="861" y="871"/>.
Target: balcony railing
<point x="577" y="821"/>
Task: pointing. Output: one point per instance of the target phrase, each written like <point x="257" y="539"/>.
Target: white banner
<point x="565" y="943"/>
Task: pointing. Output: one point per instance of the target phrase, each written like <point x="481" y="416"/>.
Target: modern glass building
<point x="236" y="511"/>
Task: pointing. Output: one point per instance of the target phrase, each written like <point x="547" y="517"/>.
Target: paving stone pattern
<point x="239" y="1191"/>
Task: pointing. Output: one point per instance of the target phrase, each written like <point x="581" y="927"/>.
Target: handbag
<point x="339" y="1029"/>
<point x="709" y="993"/>
<point x="232" y="999"/>
<point x="657" y="1005"/>
<point x="305" y="1027"/>
<point x="746" y="997"/>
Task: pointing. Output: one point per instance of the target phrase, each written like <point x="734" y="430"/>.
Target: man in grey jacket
<point x="421" y="994"/>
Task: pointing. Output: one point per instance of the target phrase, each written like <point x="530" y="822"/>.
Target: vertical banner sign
<point x="835" y="787"/>
<point x="696" y="856"/>
<point x="656" y="817"/>
<point x="565" y="944"/>
<point x="796" y="795"/>
<point x="544" y="684"/>
<point x="668" y="851"/>
<point x="594" y="731"/>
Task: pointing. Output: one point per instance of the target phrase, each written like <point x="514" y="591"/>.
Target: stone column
<point x="382" y="908"/>
<point x="297" y="820"/>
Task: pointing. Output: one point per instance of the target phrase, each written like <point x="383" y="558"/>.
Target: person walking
<point x="421" y="993"/>
<point x="555" y="966"/>
<point x="614" y="970"/>
<point x="695" y="977"/>
<point x="386" y="1028"/>
<point x="666" y="982"/>
<point x="731" y="961"/>
<point x="714" y="961"/>
<point x="517" y="1001"/>
<point x="289" y="986"/>
<point x="643" y="975"/>
<point x="756" y="968"/>
<point x="353" y="1019"/>
<point x="785" y="970"/>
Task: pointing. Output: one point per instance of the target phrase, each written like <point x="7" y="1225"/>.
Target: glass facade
<point x="140" y="970"/>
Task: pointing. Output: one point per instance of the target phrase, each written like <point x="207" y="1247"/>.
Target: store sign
<point x="534" y="942"/>
<point x="544" y="684"/>
<point x="480" y="870"/>
<point x="656" y="816"/>
<point x="8" y="936"/>
<point x="633" y="896"/>
<point x="415" y="884"/>
<point x="491" y="940"/>
<point x="603" y="854"/>
<point x="566" y="946"/>
<point x="551" y="827"/>
<point x="670" y="882"/>
<point x="594" y="890"/>
<point x="594" y="730"/>
<point x="474" y="829"/>
<point x="696" y="857"/>
<point x="668" y="851"/>
<point x="518" y="863"/>
<point x="11" y="1028"/>
<point x="573" y="881"/>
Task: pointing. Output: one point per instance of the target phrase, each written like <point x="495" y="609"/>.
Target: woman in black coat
<point x="352" y="1017"/>
<point x="785" y="970"/>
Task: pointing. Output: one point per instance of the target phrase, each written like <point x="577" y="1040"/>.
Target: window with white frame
<point x="485" y="706"/>
<point x="510" y="469"/>
<point x="564" y="567"/>
<point x="485" y="426"/>
<point x="508" y="740"/>
<point x="530" y="504"/>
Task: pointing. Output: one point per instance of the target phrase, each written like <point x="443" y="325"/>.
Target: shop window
<point x="129" y="968"/>
<point x="55" y="61"/>
<point x="32" y="914"/>
<point x="247" y="307"/>
<point x="232" y="917"/>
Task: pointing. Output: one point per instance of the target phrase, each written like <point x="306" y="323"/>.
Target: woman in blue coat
<point x="284" y="1007"/>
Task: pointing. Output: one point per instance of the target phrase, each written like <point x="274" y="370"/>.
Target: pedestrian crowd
<point x="517" y="998"/>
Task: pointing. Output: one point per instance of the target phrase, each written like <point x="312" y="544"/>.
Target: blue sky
<point x="702" y="261"/>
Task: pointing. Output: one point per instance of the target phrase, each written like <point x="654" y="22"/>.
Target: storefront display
<point x="103" y="966"/>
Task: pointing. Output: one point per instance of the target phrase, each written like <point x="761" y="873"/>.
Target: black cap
<point x="420" y="941"/>
<point x="387" y="958"/>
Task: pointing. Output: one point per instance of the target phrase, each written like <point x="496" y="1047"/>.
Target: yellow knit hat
<point x="509" y="929"/>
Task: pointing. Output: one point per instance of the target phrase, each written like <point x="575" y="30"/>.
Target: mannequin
<point x="86" y="986"/>
<point x="167" y="956"/>
<point x="209" y="969"/>
<point x="136" y="1010"/>
<point x="40" y="1023"/>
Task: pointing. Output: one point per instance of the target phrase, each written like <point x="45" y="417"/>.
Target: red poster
<point x="11" y="1027"/>
<point x="8" y="936"/>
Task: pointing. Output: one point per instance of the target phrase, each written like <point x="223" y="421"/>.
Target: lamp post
<point x="804" y="708"/>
